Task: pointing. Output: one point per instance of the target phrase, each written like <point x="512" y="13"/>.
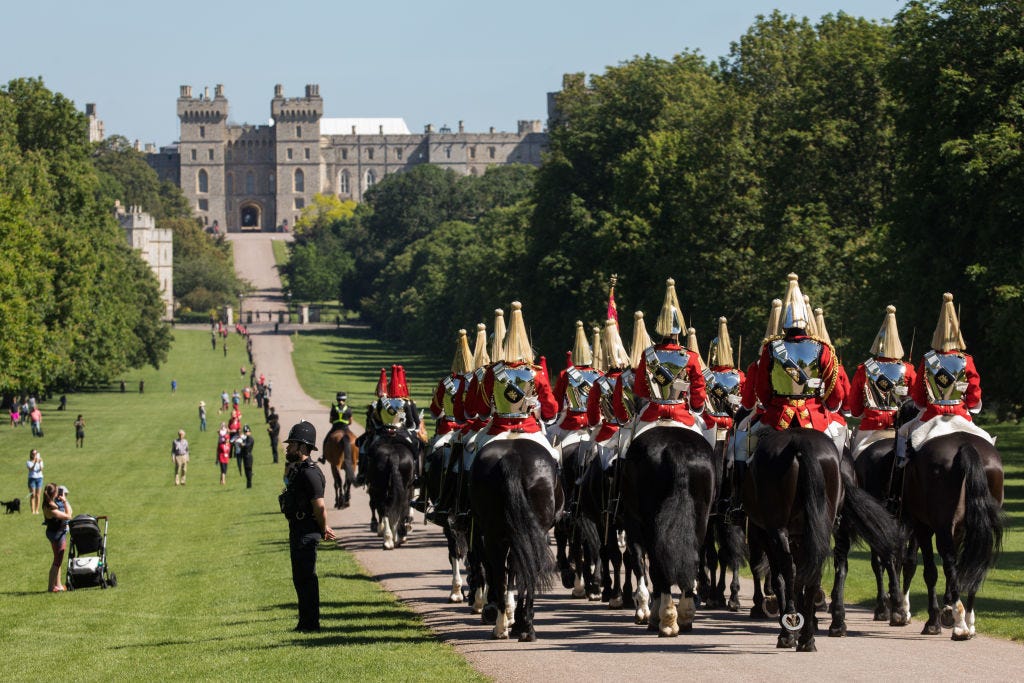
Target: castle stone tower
<point x="201" y="148"/>
<point x="297" y="148"/>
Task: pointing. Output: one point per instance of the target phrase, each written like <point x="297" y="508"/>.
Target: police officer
<point x="303" y="505"/>
<point x="341" y="420"/>
<point x="244" y="443"/>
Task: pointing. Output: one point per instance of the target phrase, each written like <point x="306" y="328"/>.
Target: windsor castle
<point x="246" y="177"/>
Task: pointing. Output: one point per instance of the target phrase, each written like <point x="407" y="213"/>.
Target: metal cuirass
<point x="722" y="385"/>
<point x="515" y="390"/>
<point x="606" y="386"/>
<point x="945" y="378"/>
<point x="580" y="382"/>
<point x="796" y="368"/>
<point x="629" y="402"/>
<point x="666" y="374"/>
<point x="452" y="386"/>
<point x="391" y="412"/>
<point x="885" y="387"/>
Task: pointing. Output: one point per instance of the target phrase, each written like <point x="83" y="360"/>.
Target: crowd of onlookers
<point x="26" y="412"/>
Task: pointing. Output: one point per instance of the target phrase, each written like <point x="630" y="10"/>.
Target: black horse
<point x="391" y="467"/>
<point x="668" y="483"/>
<point x="514" y="497"/>
<point x="953" y="489"/>
<point x="576" y="542"/>
<point x="724" y="547"/>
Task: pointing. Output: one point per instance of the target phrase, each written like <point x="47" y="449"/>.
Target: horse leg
<point x="909" y="569"/>
<point x="882" y="611"/>
<point x="837" y="629"/>
<point x="388" y="534"/>
<point x="494" y="567"/>
<point x="931" y="576"/>
<point x="686" y="610"/>
<point x="807" y="597"/>
<point x="953" y="612"/>
<point x="899" y="608"/>
<point x="562" y="551"/>
<point x="453" y="558"/>
<point x="349" y="478"/>
<point x="756" y="544"/>
<point x="336" y="475"/>
<point x="668" y="615"/>
<point x="783" y="570"/>
<point x="642" y="596"/>
<point x="969" y="609"/>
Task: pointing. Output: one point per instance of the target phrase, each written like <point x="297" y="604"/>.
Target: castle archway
<point x="251" y="217"/>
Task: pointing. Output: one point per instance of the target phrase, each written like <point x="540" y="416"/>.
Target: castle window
<point x="343" y="183"/>
<point x="298" y="131"/>
<point x="248" y="154"/>
<point x="203" y="181"/>
<point x="369" y="153"/>
<point x="472" y="152"/>
<point x="227" y="155"/>
<point x="398" y="153"/>
<point x="204" y="205"/>
<point x="289" y="153"/>
<point x="300" y="180"/>
<point x="193" y="155"/>
<point x="371" y="179"/>
<point x="344" y="154"/>
<point x="250" y="183"/>
<point x="447" y="152"/>
<point x="229" y="183"/>
<point x="307" y="153"/>
<point x="490" y="152"/>
<point x="202" y="131"/>
<point x="299" y="203"/>
<point x="210" y="154"/>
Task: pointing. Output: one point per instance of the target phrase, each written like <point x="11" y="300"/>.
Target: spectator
<point x="63" y="402"/>
<point x="243" y="451"/>
<point x="37" y="421"/>
<point x="274" y="430"/>
<point x="236" y="398"/>
<point x="79" y="432"/>
<point x="142" y="386"/>
<point x="35" y="479"/>
<point x="179" y="455"/>
<point x="223" y="402"/>
<point x="223" y="453"/>
<point x="15" y="415"/>
<point x="174" y="386"/>
<point x="202" y="416"/>
<point x="246" y="395"/>
<point x="57" y="511"/>
<point x="122" y="386"/>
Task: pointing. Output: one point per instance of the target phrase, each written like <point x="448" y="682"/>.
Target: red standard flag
<point x="613" y="311"/>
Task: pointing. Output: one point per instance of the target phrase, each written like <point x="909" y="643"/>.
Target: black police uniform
<point x="307" y="482"/>
<point x="274" y="430"/>
<point x="245" y="444"/>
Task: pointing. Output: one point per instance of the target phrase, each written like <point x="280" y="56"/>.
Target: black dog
<point x="12" y="505"/>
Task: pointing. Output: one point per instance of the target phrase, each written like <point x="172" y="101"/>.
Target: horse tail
<point x="396" y="492"/>
<point x="675" y="554"/>
<point x="870" y="521"/>
<point x="732" y="548"/>
<point x="983" y="522"/>
<point x="529" y="555"/>
<point x="817" y="526"/>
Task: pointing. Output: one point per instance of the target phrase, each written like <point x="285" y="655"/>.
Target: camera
<point x="62" y="491"/>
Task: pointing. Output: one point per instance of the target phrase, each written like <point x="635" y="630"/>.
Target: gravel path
<point x="586" y="641"/>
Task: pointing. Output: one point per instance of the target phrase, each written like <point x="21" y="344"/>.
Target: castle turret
<point x="203" y="124"/>
<point x="297" y="148"/>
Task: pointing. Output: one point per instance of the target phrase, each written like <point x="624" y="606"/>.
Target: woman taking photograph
<point x="35" y="479"/>
<point x="57" y="511"/>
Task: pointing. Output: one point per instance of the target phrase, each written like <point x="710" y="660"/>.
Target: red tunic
<point x="680" y="412"/>
<point x="529" y="424"/>
<point x="872" y="418"/>
<point x="971" y="397"/>
<point x="573" y="420"/>
<point x="812" y="412"/>
<point x="445" y="423"/>
<point x="594" y="414"/>
<point x="748" y="394"/>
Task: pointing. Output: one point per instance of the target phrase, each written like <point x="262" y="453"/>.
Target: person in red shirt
<point x="797" y="378"/>
<point x="571" y="391"/>
<point x="880" y="386"/>
<point x="947" y="387"/>
<point x="669" y="376"/>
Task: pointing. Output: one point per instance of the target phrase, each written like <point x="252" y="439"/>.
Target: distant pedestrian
<point x="225" y="347"/>
<point x="213" y="341"/>
<point x="236" y="398"/>
<point x="15" y="416"/>
<point x="79" y="432"/>
<point x="223" y="454"/>
<point x="179" y="456"/>
<point x="63" y="403"/>
<point x="174" y="386"/>
<point x="242" y="371"/>
<point x="243" y="451"/>
<point x="37" y="421"/>
<point x="35" y="479"/>
<point x="122" y="386"/>
<point x="142" y="386"/>
<point x="247" y="395"/>
<point x="274" y="431"/>
<point x="202" y="416"/>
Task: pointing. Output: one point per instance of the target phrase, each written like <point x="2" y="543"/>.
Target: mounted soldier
<point x="372" y="426"/>
<point x="600" y="402"/>
<point x="516" y="389"/>
<point x="880" y="386"/>
<point x="797" y="377"/>
<point x="724" y="383"/>
<point x="947" y="388"/>
<point x="624" y="401"/>
<point x="669" y="375"/>
<point x="571" y="391"/>
<point x="477" y="405"/>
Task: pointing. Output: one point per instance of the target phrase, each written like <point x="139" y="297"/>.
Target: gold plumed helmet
<point x="582" y="356"/>
<point x="693" y="345"/>
<point x="820" y="331"/>
<point x="463" y="361"/>
<point x="812" y="321"/>
<point x="498" y="336"/>
<point x="614" y="353"/>
<point x="721" y="347"/>
<point x="641" y="340"/>
<point x="947" y="335"/>
<point x="794" y="309"/>
<point x="670" y="320"/>
<point x="887" y="341"/>
<point x="774" y="320"/>
<point x="480" y="357"/>
<point x="517" y="343"/>
<point x="598" y="363"/>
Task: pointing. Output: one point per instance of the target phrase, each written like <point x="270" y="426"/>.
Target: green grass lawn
<point x="205" y="583"/>
<point x="327" y="361"/>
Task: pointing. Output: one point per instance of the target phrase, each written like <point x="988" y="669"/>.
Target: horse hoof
<point x="961" y="635"/>
<point x="628" y="602"/>
<point x="579" y="593"/>
<point x="455" y="597"/>
<point x="899" y="619"/>
<point x="499" y="636"/>
<point x="771" y="606"/>
<point x="594" y="597"/>
<point x="685" y="628"/>
<point x="374" y="526"/>
<point x="615" y="603"/>
<point x="820" y="601"/>
<point x="528" y="637"/>
<point x="489" y="614"/>
<point x="883" y="614"/>
<point x="946" y="617"/>
<point x="786" y="641"/>
<point x="668" y="632"/>
<point x="837" y="631"/>
<point x="806" y="647"/>
<point x="757" y="612"/>
<point x="652" y="626"/>
<point x="931" y="629"/>
<point x="388" y="545"/>
<point x="734" y="605"/>
<point x="606" y="594"/>
<point x="568" y="579"/>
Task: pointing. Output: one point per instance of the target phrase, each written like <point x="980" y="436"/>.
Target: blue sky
<point x="486" y="63"/>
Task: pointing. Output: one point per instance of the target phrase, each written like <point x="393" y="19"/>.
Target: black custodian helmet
<point x="303" y="432"/>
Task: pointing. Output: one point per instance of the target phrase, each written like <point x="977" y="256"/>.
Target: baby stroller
<point x="86" y="539"/>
